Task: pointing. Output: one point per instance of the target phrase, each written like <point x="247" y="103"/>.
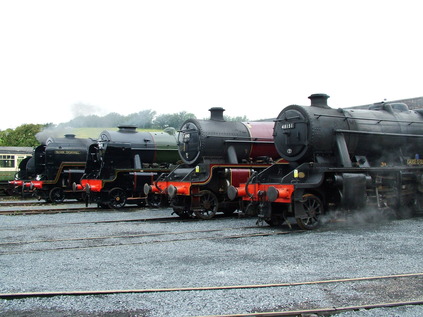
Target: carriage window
<point x="7" y="161"/>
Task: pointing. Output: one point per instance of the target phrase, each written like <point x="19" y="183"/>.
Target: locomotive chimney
<point x="319" y="100"/>
<point x="127" y="128"/>
<point x="216" y="113"/>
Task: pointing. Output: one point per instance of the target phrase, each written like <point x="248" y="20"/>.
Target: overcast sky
<point x="60" y="59"/>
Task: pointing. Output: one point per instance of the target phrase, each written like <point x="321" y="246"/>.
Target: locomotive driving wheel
<point x="117" y="198"/>
<point x="313" y="208"/>
<point x="209" y="205"/>
<point x="57" y="195"/>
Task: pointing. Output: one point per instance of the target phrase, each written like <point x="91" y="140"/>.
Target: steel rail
<point x="141" y="235"/>
<point x="202" y="288"/>
<point x="239" y="236"/>
<point x="145" y="220"/>
<point x="327" y="310"/>
<point x="46" y="211"/>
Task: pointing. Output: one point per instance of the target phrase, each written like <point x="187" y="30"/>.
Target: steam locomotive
<point x="121" y="162"/>
<point x="339" y="159"/>
<point x="56" y="165"/>
<point x="216" y="154"/>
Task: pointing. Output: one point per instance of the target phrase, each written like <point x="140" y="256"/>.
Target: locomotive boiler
<point x="57" y="164"/>
<point x="121" y="162"/>
<point x="216" y="154"/>
<point x="339" y="159"/>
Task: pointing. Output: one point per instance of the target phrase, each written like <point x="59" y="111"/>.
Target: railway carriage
<point x="13" y="161"/>
<point x="339" y="159"/>
<point x="121" y="162"/>
<point x="216" y="154"/>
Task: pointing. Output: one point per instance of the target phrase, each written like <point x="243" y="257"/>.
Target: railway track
<point x="19" y="295"/>
<point x="217" y="234"/>
<point x="13" y="203"/>
<point x="140" y="220"/>
<point x="322" y="311"/>
<point x="55" y="209"/>
<point x="24" y="212"/>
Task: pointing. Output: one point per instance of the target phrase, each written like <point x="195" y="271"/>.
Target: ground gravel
<point x="355" y="247"/>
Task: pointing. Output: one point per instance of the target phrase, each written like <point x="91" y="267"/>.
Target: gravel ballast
<point x="153" y="259"/>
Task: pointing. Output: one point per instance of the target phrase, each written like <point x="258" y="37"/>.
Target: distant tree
<point x="228" y="118"/>
<point x="112" y="119"/>
<point x="23" y="135"/>
<point x="142" y="119"/>
<point x="239" y="118"/>
<point x="172" y="120"/>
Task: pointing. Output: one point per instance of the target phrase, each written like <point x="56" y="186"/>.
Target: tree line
<point x="25" y="135"/>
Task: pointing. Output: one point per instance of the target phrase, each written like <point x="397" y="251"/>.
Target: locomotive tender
<point x="57" y="164"/>
<point x="121" y="162"/>
<point x="339" y="159"/>
<point x="216" y="154"/>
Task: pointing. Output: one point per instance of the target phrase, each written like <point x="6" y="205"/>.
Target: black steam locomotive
<point x="216" y="154"/>
<point x="121" y="162"/>
<point x="57" y="164"/>
<point x="339" y="159"/>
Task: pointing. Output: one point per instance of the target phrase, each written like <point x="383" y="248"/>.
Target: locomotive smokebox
<point x="319" y="100"/>
<point x="216" y="114"/>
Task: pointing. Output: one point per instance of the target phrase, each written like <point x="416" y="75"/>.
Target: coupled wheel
<point x="181" y="212"/>
<point x="275" y="220"/>
<point x="209" y="205"/>
<point x="313" y="208"/>
<point x="154" y="200"/>
<point x="57" y="195"/>
<point x="117" y="198"/>
<point x="142" y="203"/>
